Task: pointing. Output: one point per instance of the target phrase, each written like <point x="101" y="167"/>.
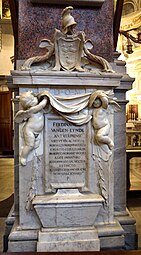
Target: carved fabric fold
<point x="69" y="106"/>
<point x="76" y="102"/>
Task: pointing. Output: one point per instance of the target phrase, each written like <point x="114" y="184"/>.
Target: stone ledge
<point x="95" y="3"/>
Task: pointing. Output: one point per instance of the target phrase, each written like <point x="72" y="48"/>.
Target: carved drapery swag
<point x="71" y="108"/>
<point x="68" y="107"/>
<point x="69" y="52"/>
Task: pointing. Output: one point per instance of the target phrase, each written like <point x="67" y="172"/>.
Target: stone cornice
<point x="96" y="3"/>
<point x="61" y="78"/>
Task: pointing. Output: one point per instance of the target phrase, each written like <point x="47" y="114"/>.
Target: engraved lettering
<point x="67" y="152"/>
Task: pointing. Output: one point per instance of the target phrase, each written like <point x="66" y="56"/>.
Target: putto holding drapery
<point x="32" y="116"/>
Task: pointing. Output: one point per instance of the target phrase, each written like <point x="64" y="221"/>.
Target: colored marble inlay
<point x="38" y="21"/>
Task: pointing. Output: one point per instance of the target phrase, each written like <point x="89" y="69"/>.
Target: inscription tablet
<point x="67" y="150"/>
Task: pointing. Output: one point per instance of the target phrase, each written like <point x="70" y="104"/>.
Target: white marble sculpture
<point x="70" y="51"/>
<point x="65" y="195"/>
<point x="33" y="122"/>
<point x="32" y="117"/>
<point x="100" y="101"/>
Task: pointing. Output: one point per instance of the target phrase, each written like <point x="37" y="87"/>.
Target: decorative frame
<point x="95" y="3"/>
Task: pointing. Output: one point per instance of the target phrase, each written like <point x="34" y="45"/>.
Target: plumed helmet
<point x="67" y="19"/>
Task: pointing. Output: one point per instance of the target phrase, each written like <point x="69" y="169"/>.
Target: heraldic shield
<point x="69" y="52"/>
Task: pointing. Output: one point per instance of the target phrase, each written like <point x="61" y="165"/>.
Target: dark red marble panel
<point x="38" y="21"/>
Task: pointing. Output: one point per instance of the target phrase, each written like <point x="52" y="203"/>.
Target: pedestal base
<point x="128" y="224"/>
<point x="109" y="236"/>
<point x="67" y="208"/>
<point x="22" y="240"/>
<point x="68" y="239"/>
<point x="8" y="226"/>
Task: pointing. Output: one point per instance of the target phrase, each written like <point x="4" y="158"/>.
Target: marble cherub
<point x="33" y="122"/>
<point x="100" y="121"/>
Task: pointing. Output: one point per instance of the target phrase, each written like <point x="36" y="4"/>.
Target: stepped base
<point x="68" y="239"/>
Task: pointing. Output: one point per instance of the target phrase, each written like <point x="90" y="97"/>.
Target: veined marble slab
<point x="68" y="239"/>
<point x="68" y="208"/>
<point x="50" y="78"/>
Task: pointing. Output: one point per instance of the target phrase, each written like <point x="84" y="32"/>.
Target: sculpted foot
<point x="23" y="161"/>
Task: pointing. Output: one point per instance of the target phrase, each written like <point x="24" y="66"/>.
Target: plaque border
<point x="48" y="187"/>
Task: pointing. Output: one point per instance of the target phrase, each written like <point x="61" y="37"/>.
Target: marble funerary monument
<point x="69" y="148"/>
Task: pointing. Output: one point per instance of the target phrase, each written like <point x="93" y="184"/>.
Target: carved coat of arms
<point x="68" y="51"/>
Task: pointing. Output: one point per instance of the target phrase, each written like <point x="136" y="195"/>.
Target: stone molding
<point x="95" y="3"/>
